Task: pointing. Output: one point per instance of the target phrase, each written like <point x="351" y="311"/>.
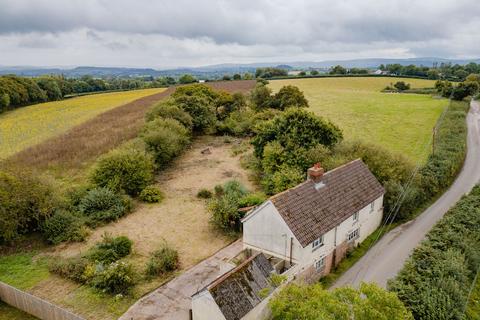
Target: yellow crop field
<point x="33" y="124"/>
<point x="399" y="122"/>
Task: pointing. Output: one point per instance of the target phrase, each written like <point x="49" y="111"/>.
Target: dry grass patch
<point x="181" y="219"/>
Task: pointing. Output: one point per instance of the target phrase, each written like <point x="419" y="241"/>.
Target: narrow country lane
<point x="386" y="258"/>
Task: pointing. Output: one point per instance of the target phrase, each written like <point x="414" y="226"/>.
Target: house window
<point x="317" y="243"/>
<point x="372" y="206"/>
<point x="355" y="217"/>
<point x="320" y="264"/>
<point x="353" y="235"/>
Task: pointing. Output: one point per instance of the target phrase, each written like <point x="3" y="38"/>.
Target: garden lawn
<point x="400" y="122"/>
<point x="27" y="126"/>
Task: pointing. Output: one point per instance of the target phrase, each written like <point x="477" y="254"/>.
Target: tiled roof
<point x="236" y="292"/>
<point x="310" y="209"/>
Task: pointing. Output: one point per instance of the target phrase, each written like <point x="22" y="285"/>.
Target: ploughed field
<point x="399" y="122"/>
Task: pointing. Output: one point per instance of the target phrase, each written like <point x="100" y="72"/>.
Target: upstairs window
<point x="355" y="217"/>
<point x="317" y="243"/>
<point x="372" y="206"/>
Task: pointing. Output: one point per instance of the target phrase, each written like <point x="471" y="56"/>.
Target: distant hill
<point x="217" y="71"/>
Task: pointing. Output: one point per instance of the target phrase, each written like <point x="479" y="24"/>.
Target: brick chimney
<point x="315" y="173"/>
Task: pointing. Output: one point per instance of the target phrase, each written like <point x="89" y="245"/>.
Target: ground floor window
<point x="320" y="264"/>
<point x="353" y="235"/>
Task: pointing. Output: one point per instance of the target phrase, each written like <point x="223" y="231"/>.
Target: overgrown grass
<point x="400" y="122"/>
<point x="33" y="124"/>
<point x="355" y="255"/>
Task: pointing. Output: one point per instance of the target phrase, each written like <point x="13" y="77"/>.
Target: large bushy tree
<point x="315" y="303"/>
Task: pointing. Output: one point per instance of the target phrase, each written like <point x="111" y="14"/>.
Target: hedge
<point x="436" y="279"/>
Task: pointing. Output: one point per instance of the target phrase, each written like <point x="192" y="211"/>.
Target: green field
<point x="30" y="125"/>
<point x="400" y="122"/>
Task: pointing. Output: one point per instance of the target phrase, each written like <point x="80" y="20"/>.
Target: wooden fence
<point x="33" y="305"/>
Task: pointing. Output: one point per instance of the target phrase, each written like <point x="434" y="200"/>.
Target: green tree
<point x="289" y="96"/>
<point x="130" y="170"/>
<point x="187" y="78"/>
<point x="261" y="97"/>
<point x="237" y="76"/>
<point x="314" y="303"/>
<point x="338" y="70"/>
<point x="296" y="127"/>
<point x="314" y="73"/>
<point x="51" y="88"/>
<point x="401" y="86"/>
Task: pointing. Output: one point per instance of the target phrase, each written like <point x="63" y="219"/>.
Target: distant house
<point x="315" y="223"/>
<point x="300" y="233"/>
<point x="381" y="72"/>
<point x="294" y="72"/>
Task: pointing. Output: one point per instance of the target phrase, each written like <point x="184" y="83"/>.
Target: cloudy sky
<point x="170" y="33"/>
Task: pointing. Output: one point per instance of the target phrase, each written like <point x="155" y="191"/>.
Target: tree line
<point x="455" y="72"/>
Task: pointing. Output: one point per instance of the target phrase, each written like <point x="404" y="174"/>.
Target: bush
<point x="110" y="249"/>
<point x="129" y="170"/>
<point x="199" y="102"/>
<point x="162" y="260"/>
<point x="224" y="207"/>
<point x="151" y="194"/>
<point x="251" y="199"/>
<point x="296" y="127"/>
<point x="63" y="226"/>
<point x="261" y="97"/>
<point x="71" y="268"/>
<point x="286" y="177"/>
<point x="401" y="86"/>
<point x="25" y="203"/>
<point x="116" y="278"/>
<point x="165" y="138"/>
<point x="289" y="96"/>
<point x="204" y="194"/>
<point x="103" y="205"/>
<point x="169" y="110"/>
<point x="238" y="124"/>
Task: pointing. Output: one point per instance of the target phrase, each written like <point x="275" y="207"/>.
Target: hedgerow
<point x="436" y="279"/>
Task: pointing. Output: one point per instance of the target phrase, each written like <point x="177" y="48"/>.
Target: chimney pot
<point x="315" y="173"/>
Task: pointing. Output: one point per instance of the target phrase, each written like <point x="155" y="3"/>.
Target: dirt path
<point x="181" y="219"/>
<point x="386" y="258"/>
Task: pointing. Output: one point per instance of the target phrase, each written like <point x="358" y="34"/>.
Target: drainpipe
<point x="291" y="250"/>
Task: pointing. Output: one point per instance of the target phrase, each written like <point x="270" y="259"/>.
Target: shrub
<point x="25" y="202"/>
<point x="289" y="96"/>
<point x="71" y="268"/>
<point x="129" y="170"/>
<point x="110" y="249"/>
<point x="162" y="260"/>
<point x="151" y="194"/>
<point x="204" y="194"/>
<point x="116" y="278"/>
<point x="401" y="86"/>
<point x="102" y="204"/>
<point x="238" y="123"/>
<point x="169" y="110"/>
<point x="261" y="97"/>
<point x="63" y="226"/>
<point x="165" y="138"/>
<point x="296" y="127"/>
<point x="224" y="207"/>
<point x="286" y="177"/>
<point x="251" y="199"/>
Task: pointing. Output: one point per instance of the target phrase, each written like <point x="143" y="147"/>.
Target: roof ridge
<point x="306" y="181"/>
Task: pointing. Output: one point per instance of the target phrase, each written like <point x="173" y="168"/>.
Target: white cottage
<point x="314" y="224"/>
<point x="299" y="233"/>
